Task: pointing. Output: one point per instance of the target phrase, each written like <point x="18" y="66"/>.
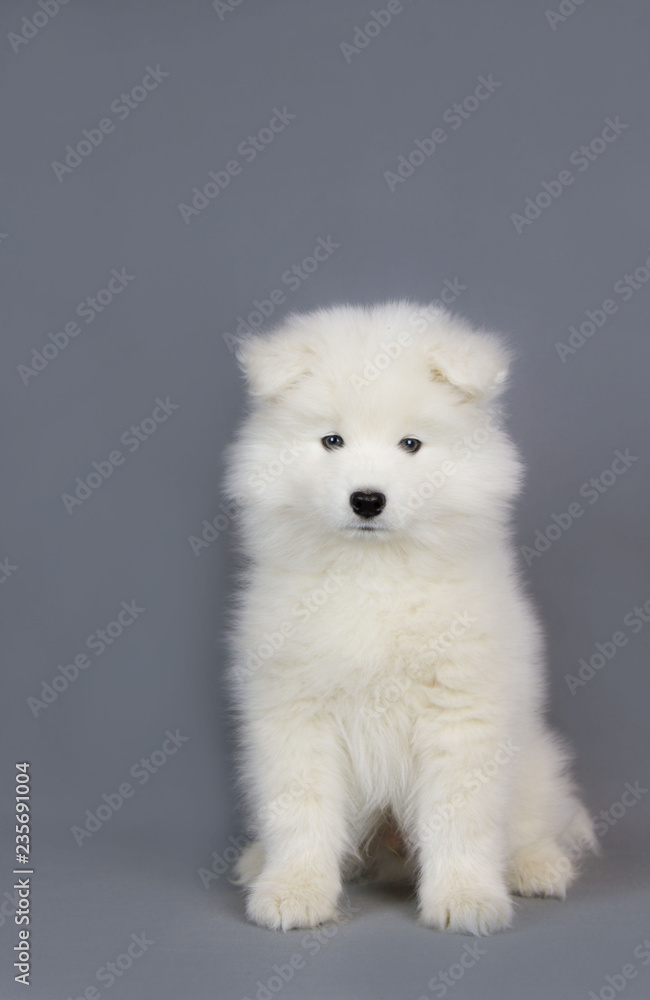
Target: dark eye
<point x="332" y="441"/>
<point x="410" y="444"/>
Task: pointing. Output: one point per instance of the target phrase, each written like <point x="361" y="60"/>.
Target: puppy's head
<point x="372" y="426"/>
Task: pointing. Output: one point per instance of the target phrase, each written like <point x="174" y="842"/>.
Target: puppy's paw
<point x="467" y="910"/>
<point x="291" y="900"/>
<point x="249" y="864"/>
<point x="542" y="869"/>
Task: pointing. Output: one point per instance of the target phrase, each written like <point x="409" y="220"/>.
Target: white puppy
<point x="388" y="667"/>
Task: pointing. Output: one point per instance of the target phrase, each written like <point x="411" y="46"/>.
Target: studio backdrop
<point x="177" y="175"/>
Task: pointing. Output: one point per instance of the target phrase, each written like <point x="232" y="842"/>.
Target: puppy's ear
<point x="475" y="365"/>
<point x="273" y="363"/>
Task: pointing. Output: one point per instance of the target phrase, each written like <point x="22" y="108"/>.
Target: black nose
<point x="367" y="504"/>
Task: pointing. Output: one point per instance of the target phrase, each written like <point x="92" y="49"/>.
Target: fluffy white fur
<point x="389" y="682"/>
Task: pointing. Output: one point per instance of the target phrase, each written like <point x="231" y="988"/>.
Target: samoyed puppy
<point x="387" y="664"/>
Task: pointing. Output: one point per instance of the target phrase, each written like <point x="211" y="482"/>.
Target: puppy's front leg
<point x="300" y="798"/>
<point x="461" y="802"/>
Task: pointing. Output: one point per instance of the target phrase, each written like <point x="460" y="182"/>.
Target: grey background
<point x="322" y="176"/>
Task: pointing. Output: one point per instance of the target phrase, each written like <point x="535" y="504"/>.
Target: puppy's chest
<point x="370" y="631"/>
